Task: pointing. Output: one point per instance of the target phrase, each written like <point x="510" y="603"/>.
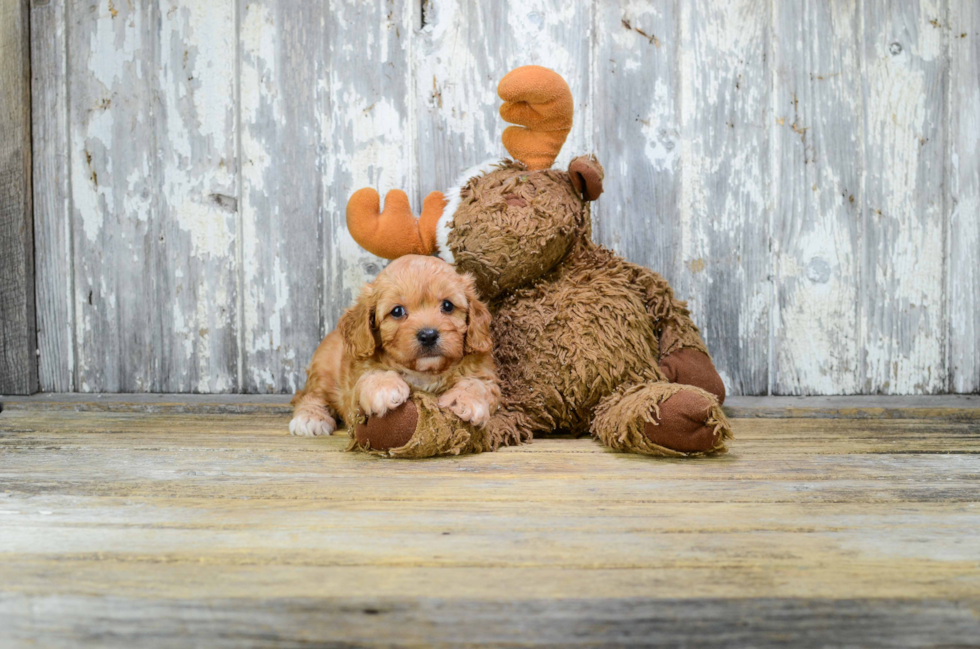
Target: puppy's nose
<point x="428" y="337"/>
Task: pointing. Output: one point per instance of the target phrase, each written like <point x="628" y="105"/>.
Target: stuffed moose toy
<point x="584" y="341"/>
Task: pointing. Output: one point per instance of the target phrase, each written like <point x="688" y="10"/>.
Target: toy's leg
<point x="665" y="419"/>
<point x="419" y="428"/>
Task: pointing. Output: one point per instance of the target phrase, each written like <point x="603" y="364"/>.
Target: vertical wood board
<point x="725" y="126"/>
<point x="637" y="131"/>
<point x="963" y="202"/>
<point x="154" y="188"/>
<point x="18" y="338"/>
<point x="464" y="49"/>
<point x="369" y="134"/>
<point x="52" y="195"/>
<point x="902" y="283"/>
<point x="817" y="130"/>
<point x="323" y="113"/>
<point x="281" y="59"/>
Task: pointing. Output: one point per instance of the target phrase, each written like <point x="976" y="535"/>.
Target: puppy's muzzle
<point x="428" y="338"/>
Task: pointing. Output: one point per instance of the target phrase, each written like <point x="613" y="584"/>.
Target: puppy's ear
<point x="357" y="326"/>
<point x="478" y="339"/>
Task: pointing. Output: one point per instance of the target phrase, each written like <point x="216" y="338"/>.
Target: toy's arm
<point x="683" y="355"/>
<point x="672" y="319"/>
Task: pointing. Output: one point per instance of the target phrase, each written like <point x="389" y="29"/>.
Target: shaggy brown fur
<point x="584" y="340"/>
<point x="420" y="429"/>
<point x="580" y="334"/>
<point x="574" y="324"/>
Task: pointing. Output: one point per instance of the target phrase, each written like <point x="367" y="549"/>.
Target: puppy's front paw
<point x="311" y="424"/>
<point x="381" y="392"/>
<point x="467" y="406"/>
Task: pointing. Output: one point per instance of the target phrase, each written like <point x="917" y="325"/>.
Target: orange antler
<point x="395" y="231"/>
<point x="539" y="100"/>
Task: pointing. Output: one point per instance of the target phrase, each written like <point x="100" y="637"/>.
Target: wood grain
<point x="725" y="107"/>
<point x="944" y="408"/>
<point x="125" y="527"/>
<point x="638" y="133"/>
<point x="963" y="202"/>
<point x="464" y="49"/>
<point x="903" y="305"/>
<point x="734" y="137"/>
<point x="153" y="158"/>
<point x="18" y="336"/>
<point x="323" y="115"/>
<point x="52" y="196"/>
<point x="281" y="249"/>
<point x="817" y="194"/>
<point x="369" y="138"/>
<point x="518" y="622"/>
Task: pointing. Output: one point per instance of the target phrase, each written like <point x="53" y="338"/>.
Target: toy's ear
<point x="586" y="174"/>
<point x="478" y="337"/>
<point x="357" y="326"/>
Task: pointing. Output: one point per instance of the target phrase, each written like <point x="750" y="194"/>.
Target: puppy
<point x="418" y="325"/>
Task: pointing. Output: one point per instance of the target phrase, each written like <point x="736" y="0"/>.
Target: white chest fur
<point x="425" y="382"/>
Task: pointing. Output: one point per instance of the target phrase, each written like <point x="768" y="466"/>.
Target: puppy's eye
<point x="448" y="307"/>
<point x="398" y="312"/>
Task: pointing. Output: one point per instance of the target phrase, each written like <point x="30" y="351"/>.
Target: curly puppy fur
<point x="419" y="326"/>
<point x="585" y="340"/>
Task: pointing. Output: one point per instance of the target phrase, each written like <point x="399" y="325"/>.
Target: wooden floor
<point x="191" y="526"/>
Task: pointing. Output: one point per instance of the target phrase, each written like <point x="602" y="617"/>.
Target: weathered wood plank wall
<point x="52" y="218"/>
<point x="18" y="335"/>
<point x="963" y="197"/>
<point x="806" y="174"/>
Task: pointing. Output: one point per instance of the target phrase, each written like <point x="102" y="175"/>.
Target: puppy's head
<point x="418" y="314"/>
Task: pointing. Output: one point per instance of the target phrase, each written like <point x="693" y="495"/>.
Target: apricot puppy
<point x="418" y="326"/>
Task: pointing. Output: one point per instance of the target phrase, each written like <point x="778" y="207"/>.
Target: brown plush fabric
<point x="664" y="419"/>
<point x="693" y="367"/>
<point x="580" y="333"/>
<point x="419" y="429"/>
<point x="513" y="225"/>
<point x="680" y="423"/>
<point x="586" y="175"/>
<point x="395" y="231"/>
<point x="539" y="100"/>
<point x="391" y="431"/>
<point x="573" y="321"/>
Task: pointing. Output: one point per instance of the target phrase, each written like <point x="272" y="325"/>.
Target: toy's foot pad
<point x="393" y="430"/>
<point x="682" y="424"/>
<point x="693" y="367"/>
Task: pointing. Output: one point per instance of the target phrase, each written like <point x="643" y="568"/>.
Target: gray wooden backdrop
<point x="805" y="173"/>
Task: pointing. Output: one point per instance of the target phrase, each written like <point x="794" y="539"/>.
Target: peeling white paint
<point x="817" y="197"/>
<point x="460" y="63"/>
<point x="902" y="318"/>
<point x="716" y="140"/>
<point x="724" y="180"/>
<point x="658" y="130"/>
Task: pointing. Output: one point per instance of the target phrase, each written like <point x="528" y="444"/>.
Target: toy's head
<point x="507" y="222"/>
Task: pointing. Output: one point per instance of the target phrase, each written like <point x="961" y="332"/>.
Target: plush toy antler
<point x="539" y="100"/>
<point x="536" y="98"/>
<point x="395" y="231"/>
